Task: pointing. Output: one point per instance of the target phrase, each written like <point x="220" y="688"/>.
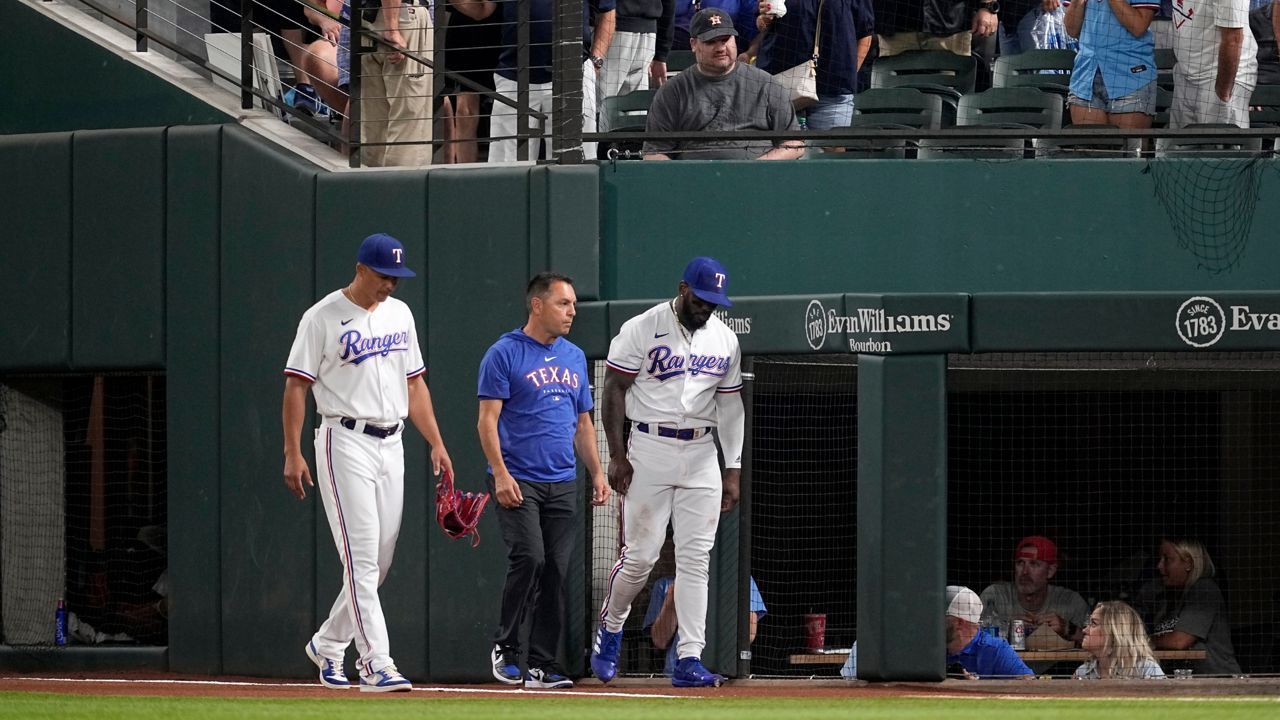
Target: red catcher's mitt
<point x="458" y="512"/>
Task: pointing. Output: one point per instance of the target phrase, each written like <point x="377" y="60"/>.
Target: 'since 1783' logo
<point x="815" y="324"/>
<point x="1201" y="322"/>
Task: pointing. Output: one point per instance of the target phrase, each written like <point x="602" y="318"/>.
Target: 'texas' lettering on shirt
<point x="355" y="348"/>
<point x="664" y="364"/>
<point x="553" y="375"/>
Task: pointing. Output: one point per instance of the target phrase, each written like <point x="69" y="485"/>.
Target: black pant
<point x="539" y="538"/>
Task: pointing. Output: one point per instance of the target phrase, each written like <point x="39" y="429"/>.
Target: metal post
<point x="522" y="78"/>
<point x="246" y="54"/>
<point x="139" y="25"/>
<point x="744" y="524"/>
<point x="353" y="88"/>
<point x="566" y="85"/>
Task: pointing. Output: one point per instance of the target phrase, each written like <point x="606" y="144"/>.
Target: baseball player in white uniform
<point x="357" y="350"/>
<point x="675" y="375"/>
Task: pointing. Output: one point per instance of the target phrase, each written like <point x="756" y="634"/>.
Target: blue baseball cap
<point x="383" y="254"/>
<point x="708" y="279"/>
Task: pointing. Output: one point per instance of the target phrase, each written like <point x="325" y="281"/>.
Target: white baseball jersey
<point x="677" y="375"/>
<point x="358" y="360"/>
<point x="1196" y="39"/>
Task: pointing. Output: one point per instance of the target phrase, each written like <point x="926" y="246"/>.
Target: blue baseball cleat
<point x="546" y="678"/>
<point x="388" y="679"/>
<point x="691" y="673"/>
<point x="604" y="654"/>
<point x="331" y="674"/>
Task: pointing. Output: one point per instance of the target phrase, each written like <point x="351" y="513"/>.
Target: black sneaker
<point x="506" y="666"/>
<point x="546" y="678"/>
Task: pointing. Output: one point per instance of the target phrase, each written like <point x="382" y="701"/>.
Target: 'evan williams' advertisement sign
<point x="1202" y="322"/>
<point x="891" y="324"/>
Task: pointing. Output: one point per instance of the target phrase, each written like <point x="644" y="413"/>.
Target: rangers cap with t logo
<point x="708" y="279"/>
<point x="384" y="254"/>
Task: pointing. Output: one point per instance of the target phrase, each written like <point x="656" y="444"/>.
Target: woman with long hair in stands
<point x="1187" y="608"/>
<point x="1117" y="640"/>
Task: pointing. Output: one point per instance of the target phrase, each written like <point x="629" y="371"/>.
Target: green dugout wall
<point x="194" y="250"/>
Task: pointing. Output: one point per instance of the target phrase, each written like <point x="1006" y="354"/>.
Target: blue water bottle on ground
<point x="60" y="623"/>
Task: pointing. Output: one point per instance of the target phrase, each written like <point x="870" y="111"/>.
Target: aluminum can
<point x="1018" y="635"/>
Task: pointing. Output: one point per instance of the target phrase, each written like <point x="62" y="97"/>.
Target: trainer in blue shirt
<point x="535" y="406"/>
<point x="980" y="654"/>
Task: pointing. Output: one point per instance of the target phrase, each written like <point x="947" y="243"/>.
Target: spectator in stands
<point x="1024" y="26"/>
<point x="1117" y="640"/>
<point x="1114" y="78"/>
<point x="473" y="38"/>
<point x="903" y="25"/>
<point x="844" y="40"/>
<point x="396" y="92"/>
<point x="979" y="654"/>
<point x="637" y="57"/>
<point x="1187" y="608"/>
<point x="1263" y="24"/>
<point x="596" y="38"/>
<point x="661" y="622"/>
<point x="320" y="60"/>
<point x="1217" y="65"/>
<point x="720" y="94"/>
<point x="1030" y="598"/>
<point x="744" y="21"/>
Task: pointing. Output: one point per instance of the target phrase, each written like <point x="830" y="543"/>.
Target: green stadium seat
<point x="1165" y="61"/>
<point x="628" y="113"/>
<point x="1011" y="106"/>
<point x="678" y="60"/>
<point x="1264" y="106"/>
<point x="1097" y="146"/>
<point x="939" y="72"/>
<point x="1228" y="144"/>
<point x="1048" y="70"/>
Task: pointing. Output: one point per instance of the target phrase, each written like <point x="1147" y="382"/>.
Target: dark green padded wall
<point x="84" y="86"/>
<point x="269" y="556"/>
<point x="349" y="207"/>
<point x="941" y="226"/>
<point x="117" y="270"/>
<point x="35" y="239"/>
<point x="476" y="293"/>
<point x="192" y="325"/>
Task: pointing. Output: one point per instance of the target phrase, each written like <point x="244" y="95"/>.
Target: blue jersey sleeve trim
<point x="299" y="373"/>
<point x="420" y="371"/>
<point x="622" y="369"/>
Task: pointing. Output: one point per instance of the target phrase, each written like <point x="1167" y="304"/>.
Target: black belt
<point x="666" y="432"/>
<point x="374" y="430"/>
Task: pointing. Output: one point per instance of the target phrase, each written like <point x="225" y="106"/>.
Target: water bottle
<point x="60" y="623"/>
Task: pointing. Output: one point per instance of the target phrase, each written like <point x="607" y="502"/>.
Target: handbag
<point x="801" y="81"/>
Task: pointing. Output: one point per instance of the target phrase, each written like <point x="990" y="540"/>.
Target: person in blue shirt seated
<point x="981" y="655"/>
<point x="660" y="619"/>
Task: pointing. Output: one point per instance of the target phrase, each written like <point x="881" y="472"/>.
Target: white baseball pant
<point x="677" y="481"/>
<point x="361" y="480"/>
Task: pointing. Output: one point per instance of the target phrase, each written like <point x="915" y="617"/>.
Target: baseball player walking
<point x="675" y="374"/>
<point x="357" y="350"/>
<point x="535" y="406"/>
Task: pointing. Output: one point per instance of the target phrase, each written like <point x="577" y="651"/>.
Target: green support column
<point x="902" y="516"/>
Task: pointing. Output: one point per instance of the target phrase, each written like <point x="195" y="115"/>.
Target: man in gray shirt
<point x="1031" y="598"/>
<point x="720" y="94"/>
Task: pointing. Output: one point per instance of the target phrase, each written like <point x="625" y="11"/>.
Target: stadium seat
<point x="1048" y="70"/>
<point x="1264" y="106"/>
<point x="1165" y="61"/>
<point x="678" y="60"/>
<point x="899" y="106"/>
<point x="939" y="72"/>
<point x="628" y="113"/>
<point x="1228" y="144"/>
<point x="1011" y="105"/>
<point x="1096" y="146"/>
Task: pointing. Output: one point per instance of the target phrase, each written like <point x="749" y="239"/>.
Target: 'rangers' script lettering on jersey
<point x="664" y="365"/>
<point x="357" y="348"/>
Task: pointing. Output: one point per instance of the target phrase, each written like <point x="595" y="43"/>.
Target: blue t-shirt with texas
<point x="543" y="389"/>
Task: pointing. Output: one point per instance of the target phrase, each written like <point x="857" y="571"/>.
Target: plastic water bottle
<point x="1050" y="31"/>
<point x="60" y="623"/>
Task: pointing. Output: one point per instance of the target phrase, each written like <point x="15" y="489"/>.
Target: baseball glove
<point x="458" y="512"/>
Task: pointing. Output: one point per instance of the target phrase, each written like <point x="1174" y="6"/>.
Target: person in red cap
<point x="1030" y="598"/>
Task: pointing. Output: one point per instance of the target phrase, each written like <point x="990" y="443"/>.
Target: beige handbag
<point x="801" y="81"/>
